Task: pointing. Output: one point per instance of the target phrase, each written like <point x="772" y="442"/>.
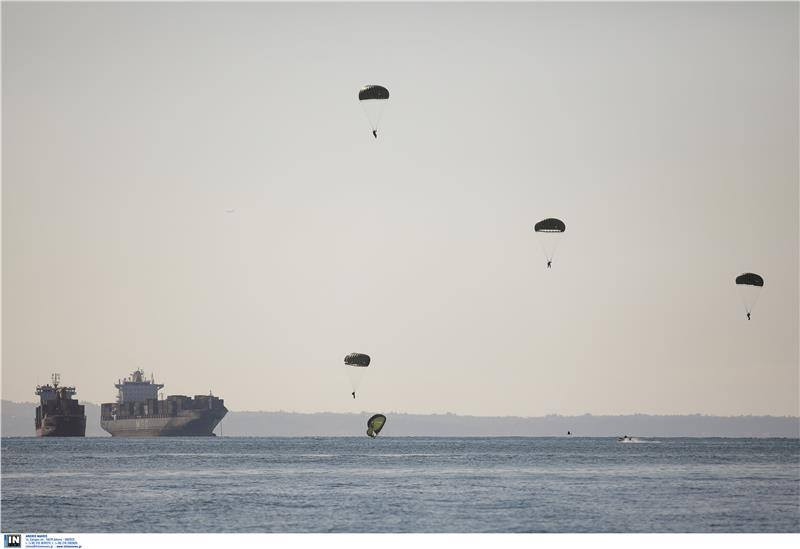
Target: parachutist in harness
<point x="373" y="98"/>
<point x="549" y="229"/>
<point x="749" y="286"/>
<point x="356" y="364"/>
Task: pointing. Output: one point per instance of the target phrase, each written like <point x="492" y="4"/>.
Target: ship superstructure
<point x="138" y="412"/>
<point x="137" y="389"/>
<point x="58" y="414"/>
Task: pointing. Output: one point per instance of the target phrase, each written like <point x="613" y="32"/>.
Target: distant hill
<point x="17" y="420"/>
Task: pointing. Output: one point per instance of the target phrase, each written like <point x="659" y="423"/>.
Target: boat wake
<point x="636" y="440"/>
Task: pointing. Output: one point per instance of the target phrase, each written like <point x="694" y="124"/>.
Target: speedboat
<point x="626" y="438"/>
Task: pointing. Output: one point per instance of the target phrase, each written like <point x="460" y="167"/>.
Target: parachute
<point x="373" y="99"/>
<point x="549" y="233"/>
<point x="375" y="424"/>
<point x="356" y="365"/>
<point x="357" y="359"/>
<point x="749" y="285"/>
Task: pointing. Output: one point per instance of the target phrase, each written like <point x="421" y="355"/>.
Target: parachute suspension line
<point x="744" y="300"/>
<point x="373" y="109"/>
<point x="544" y="250"/>
<point x="753" y="293"/>
<point x="373" y="120"/>
<point x="380" y="114"/>
<point x="557" y="237"/>
<point x="549" y="252"/>
<point x="366" y="113"/>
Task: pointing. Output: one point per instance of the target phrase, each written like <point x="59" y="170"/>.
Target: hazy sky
<point x="664" y="135"/>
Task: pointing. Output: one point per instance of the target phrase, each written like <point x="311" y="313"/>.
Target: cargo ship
<point x="138" y="412"/>
<point x="58" y="414"/>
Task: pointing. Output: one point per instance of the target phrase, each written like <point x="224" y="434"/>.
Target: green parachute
<point x="375" y="424"/>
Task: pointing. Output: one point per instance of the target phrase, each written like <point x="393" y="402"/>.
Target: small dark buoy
<point x="569" y="433"/>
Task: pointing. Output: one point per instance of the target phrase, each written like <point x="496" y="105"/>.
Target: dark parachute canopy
<point x="355" y="365"/>
<point x="373" y="91"/>
<point x="373" y="100"/>
<point x="749" y="286"/>
<point x="750" y="279"/>
<point x="357" y="359"/>
<point x="375" y="424"/>
<point x="550" y="225"/>
<point x="548" y="233"/>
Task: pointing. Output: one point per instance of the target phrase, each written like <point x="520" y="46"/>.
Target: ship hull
<point x="62" y="426"/>
<point x="194" y="423"/>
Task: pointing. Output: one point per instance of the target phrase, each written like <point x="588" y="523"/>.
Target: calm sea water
<point x="400" y="485"/>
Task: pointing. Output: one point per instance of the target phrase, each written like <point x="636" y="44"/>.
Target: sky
<point x="664" y="135"/>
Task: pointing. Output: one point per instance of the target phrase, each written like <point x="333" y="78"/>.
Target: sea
<point x="394" y="484"/>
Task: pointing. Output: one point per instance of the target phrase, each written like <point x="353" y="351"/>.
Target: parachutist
<point x="549" y="229"/>
<point x="749" y="286"/>
<point x="356" y="364"/>
<point x="373" y="99"/>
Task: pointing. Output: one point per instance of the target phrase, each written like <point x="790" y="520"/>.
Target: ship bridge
<point x="137" y="389"/>
<point x="53" y="390"/>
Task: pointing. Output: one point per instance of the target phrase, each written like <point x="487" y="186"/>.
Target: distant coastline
<point x="17" y="420"/>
